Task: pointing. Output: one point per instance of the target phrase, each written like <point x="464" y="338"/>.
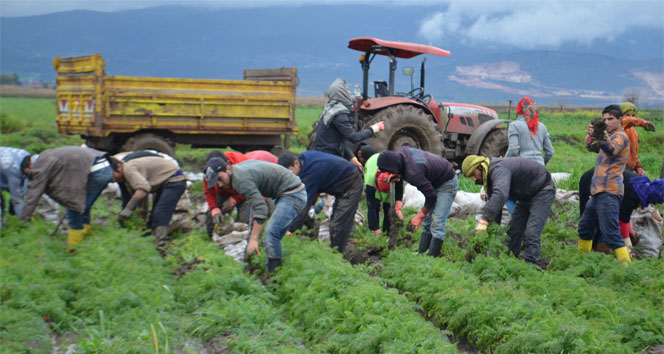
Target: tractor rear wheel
<point x="495" y="143"/>
<point x="149" y="141"/>
<point x="406" y="124"/>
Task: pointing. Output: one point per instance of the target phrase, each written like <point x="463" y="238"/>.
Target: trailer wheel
<point x="149" y="141"/>
<point x="406" y="125"/>
<point x="495" y="143"/>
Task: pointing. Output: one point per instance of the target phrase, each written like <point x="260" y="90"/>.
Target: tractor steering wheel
<point x="415" y="93"/>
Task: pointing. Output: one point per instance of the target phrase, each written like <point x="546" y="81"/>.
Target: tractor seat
<point x="380" y="89"/>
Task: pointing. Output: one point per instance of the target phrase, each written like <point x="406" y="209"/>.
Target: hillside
<point x="177" y="41"/>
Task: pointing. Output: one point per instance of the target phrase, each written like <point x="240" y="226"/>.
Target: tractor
<point x="451" y="130"/>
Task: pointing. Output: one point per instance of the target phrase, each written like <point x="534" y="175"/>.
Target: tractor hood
<point x="401" y="49"/>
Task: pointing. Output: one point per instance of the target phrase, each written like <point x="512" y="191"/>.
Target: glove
<point x="124" y="214"/>
<point x="482" y="225"/>
<point x="216" y="215"/>
<point x="378" y="127"/>
<point x="397" y="209"/>
<point x="649" y="126"/>
<point x="639" y="171"/>
<point x="228" y="205"/>
<point x="415" y="222"/>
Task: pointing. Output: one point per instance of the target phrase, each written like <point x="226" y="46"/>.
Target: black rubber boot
<point x="425" y="240"/>
<point x="160" y="238"/>
<point x="272" y="264"/>
<point x="436" y="245"/>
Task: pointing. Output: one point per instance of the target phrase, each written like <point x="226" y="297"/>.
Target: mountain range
<point x="195" y="42"/>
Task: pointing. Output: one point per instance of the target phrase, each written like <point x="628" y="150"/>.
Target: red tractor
<point x="452" y="130"/>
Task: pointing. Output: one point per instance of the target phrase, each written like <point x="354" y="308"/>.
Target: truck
<point x="125" y="113"/>
<point x="415" y="118"/>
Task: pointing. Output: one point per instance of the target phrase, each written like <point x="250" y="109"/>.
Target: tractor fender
<point x="476" y="139"/>
<point x="378" y="103"/>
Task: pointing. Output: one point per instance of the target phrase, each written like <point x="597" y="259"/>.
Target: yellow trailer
<point x="122" y="113"/>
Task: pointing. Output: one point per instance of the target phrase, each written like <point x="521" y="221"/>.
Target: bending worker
<point x="520" y="179"/>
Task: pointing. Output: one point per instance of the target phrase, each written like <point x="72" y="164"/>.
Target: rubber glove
<point x="482" y="225"/>
<point x="415" y="222"/>
<point x="216" y="215"/>
<point x="398" y="205"/>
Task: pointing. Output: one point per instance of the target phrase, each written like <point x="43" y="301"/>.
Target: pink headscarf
<point x="528" y="110"/>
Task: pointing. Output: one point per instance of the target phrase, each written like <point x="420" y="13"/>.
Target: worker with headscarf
<point x="527" y="135"/>
<point x="629" y="122"/>
<point x="335" y="128"/>
<point x="523" y="180"/>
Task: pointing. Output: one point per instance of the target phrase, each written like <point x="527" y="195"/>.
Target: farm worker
<point x="523" y="180"/>
<point x="262" y="155"/>
<point x="628" y="203"/>
<point x="527" y="135"/>
<point x="223" y="200"/>
<point x="433" y="176"/>
<point x="14" y="168"/>
<point x="255" y="179"/>
<point x="151" y="174"/>
<point x="377" y="189"/>
<point x="629" y="122"/>
<point x="130" y="155"/>
<point x="335" y="128"/>
<point x="74" y="177"/>
<point x="606" y="188"/>
<point x="326" y="173"/>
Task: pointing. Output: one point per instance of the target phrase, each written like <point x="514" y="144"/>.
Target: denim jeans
<point x="286" y="209"/>
<point x="435" y="222"/>
<point x="97" y="181"/>
<point x="602" y="213"/>
<point x="527" y="223"/>
<point x="164" y="203"/>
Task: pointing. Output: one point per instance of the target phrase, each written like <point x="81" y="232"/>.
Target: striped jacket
<point x="608" y="173"/>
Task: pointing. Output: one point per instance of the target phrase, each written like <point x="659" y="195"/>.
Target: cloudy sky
<point x="522" y="23"/>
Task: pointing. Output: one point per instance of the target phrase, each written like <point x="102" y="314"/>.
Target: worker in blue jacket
<point x="326" y="173"/>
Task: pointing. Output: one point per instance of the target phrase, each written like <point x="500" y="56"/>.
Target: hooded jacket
<point x="63" y="174"/>
<point x="517" y="178"/>
<point x="12" y="178"/>
<point x="335" y="128"/>
<point x="422" y="169"/>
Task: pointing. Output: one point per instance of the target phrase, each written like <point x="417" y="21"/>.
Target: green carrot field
<point x="116" y="294"/>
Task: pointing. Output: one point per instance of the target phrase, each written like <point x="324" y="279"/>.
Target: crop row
<point x="343" y="309"/>
<point x="226" y="308"/>
<point x="504" y="305"/>
<point x="112" y="293"/>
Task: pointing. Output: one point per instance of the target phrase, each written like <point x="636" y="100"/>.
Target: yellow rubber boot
<point x="74" y="238"/>
<point x="622" y="254"/>
<point x="87" y="229"/>
<point x="585" y="245"/>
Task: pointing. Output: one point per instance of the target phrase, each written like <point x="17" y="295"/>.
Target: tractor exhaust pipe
<point x="422" y="75"/>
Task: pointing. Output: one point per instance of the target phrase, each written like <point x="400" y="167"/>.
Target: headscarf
<point x="472" y="162"/>
<point x="628" y="109"/>
<point x="528" y="110"/>
<point x="339" y="101"/>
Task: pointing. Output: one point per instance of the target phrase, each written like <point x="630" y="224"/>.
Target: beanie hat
<point x="390" y="161"/>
